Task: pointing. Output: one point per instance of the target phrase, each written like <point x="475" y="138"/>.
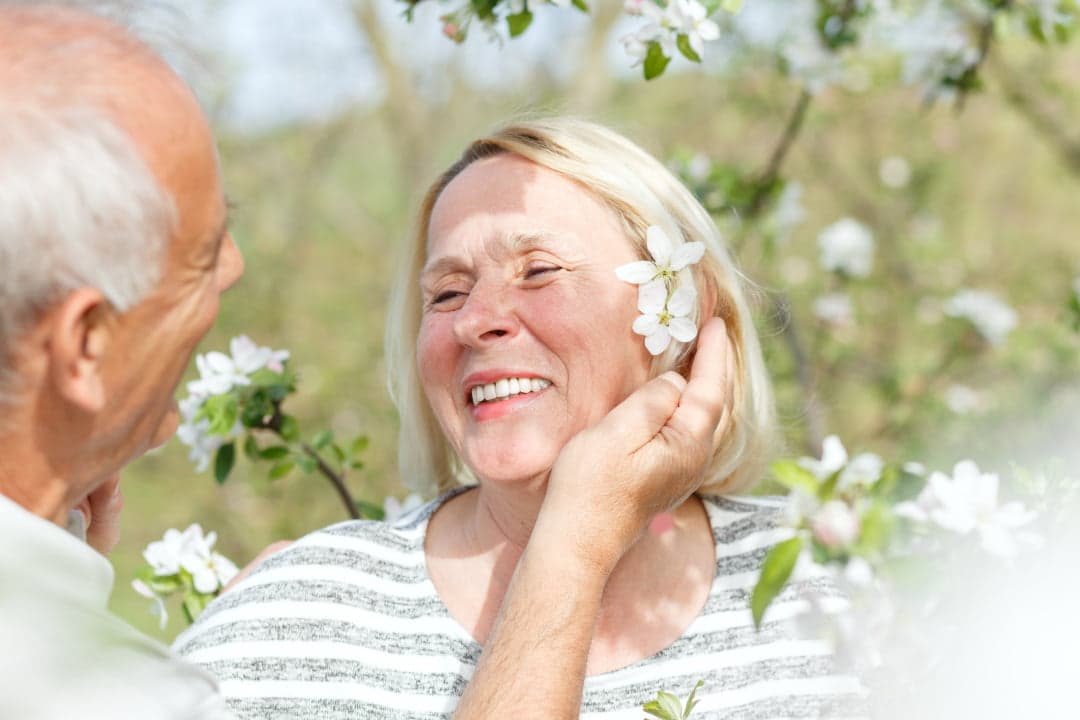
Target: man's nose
<point x="487" y="316"/>
<point x="230" y="263"/>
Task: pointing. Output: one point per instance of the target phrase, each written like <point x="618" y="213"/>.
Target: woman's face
<point x="520" y="294"/>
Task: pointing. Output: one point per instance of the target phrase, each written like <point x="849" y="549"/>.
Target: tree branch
<point x="335" y="479"/>
<point x="779" y="153"/>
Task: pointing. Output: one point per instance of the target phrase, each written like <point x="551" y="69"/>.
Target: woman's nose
<point x="486" y="317"/>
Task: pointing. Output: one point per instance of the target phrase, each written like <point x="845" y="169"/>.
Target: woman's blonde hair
<point x="641" y="192"/>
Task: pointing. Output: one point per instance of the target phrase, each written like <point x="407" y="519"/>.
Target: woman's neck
<point x="482" y="534"/>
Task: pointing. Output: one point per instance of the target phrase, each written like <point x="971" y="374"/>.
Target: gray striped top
<point x="346" y="623"/>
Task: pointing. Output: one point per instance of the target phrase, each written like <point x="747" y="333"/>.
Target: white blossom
<point x="992" y="318"/>
<point x="847" y="246"/>
<point x="835" y="525"/>
<point x="895" y="172"/>
<point x="934" y="44"/>
<point x="195" y="433"/>
<point x="394" y="508"/>
<point x="834" y="309"/>
<point x="219" y="373"/>
<point x="190" y="550"/>
<point x="787" y="213"/>
<point x="863" y="470"/>
<point x="667" y="260"/>
<point x="689" y="17"/>
<point x="1076" y="286"/>
<point x="962" y="399"/>
<point x="968" y="502"/>
<point x="665" y="319"/>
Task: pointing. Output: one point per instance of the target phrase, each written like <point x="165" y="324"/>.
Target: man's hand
<point x="646" y="456"/>
<point x="101" y="508"/>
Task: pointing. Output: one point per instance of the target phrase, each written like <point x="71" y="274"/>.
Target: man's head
<point x="113" y="249"/>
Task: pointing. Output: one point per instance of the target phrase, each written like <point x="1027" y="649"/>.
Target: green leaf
<point x="775" y="572"/>
<point x="290" y="429"/>
<point x="274" y="452"/>
<point x="322" y="439"/>
<point x="358" y="446"/>
<point x="692" y="700"/>
<point x="683" y="43"/>
<point x="338" y="453"/>
<point x="580" y="5"/>
<point x="306" y="463"/>
<point x="792" y="475"/>
<point x="669" y="704"/>
<point x="357" y="464"/>
<point x="876" y="531"/>
<point x="370" y="511"/>
<point x="281" y="469"/>
<point x="654" y="708"/>
<point x="732" y="6"/>
<point x="483" y="8"/>
<point x="224" y="461"/>
<point x="519" y="23"/>
<point x="655" y="61"/>
<point x="194" y="604"/>
<point x="221" y="411"/>
<point x="251" y="448"/>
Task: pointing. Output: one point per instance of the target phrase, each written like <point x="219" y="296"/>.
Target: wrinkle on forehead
<point x="498" y="247"/>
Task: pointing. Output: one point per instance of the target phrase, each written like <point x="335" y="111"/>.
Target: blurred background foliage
<point x="990" y="199"/>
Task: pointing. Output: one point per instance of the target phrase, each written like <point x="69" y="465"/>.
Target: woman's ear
<point x="77" y="342"/>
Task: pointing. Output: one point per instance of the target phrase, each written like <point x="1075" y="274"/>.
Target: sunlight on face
<point x="526" y="333"/>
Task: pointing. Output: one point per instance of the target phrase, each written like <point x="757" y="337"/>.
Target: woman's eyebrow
<point x="516" y="243"/>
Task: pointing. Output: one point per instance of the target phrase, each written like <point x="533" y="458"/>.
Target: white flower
<point x="961" y="399"/>
<point x="895" y="172"/>
<point x="834" y="309"/>
<point x="190" y="550"/>
<point x="667" y="260"/>
<point x="847" y="246"/>
<point x="934" y="43"/>
<point x="196" y="433"/>
<point x="665" y="306"/>
<point x="1076" y="286"/>
<point x="164" y="555"/>
<point x="210" y="570"/>
<point x="689" y="17"/>
<point x="787" y="213"/>
<point x="992" y="318"/>
<point x="664" y="319"/>
<point x="835" y="524"/>
<point x="864" y="470"/>
<point x="219" y="373"/>
<point x="157" y="608"/>
<point x="393" y="508"/>
<point x="968" y="502"/>
<point x="800" y="504"/>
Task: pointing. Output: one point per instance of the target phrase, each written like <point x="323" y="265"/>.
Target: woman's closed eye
<point x="534" y="272"/>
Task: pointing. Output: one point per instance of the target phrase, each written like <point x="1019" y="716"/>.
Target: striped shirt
<point x="346" y="623"/>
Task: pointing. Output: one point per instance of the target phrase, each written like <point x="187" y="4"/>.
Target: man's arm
<point x="646" y="456"/>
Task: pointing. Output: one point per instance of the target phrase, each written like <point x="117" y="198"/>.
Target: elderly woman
<point x="557" y="269"/>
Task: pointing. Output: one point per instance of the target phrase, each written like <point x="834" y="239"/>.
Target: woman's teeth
<point x="506" y="387"/>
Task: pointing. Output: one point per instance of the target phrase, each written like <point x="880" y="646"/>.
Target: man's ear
<point x="80" y="334"/>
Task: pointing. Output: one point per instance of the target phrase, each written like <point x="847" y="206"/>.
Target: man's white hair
<point x="79" y="206"/>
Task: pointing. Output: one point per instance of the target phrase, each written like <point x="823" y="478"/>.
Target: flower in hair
<point x="665" y="306"/>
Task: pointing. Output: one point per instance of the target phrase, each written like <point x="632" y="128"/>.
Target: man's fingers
<point x="710" y="387"/>
<point x="640" y="416"/>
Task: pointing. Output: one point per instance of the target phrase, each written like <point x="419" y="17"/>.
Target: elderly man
<point x="114" y="250"/>
<point x="113" y="253"/>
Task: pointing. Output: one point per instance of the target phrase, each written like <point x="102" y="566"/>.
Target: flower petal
<point x="659" y="245"/>
<point x="651" y="297"/>
<point x="646" y="324"/>
<point x="682" y="301"/>
<point x="658" y="341"/>
<point x="682" y="329"/>
<point x="687" y="254"/>
<point x="638" y="273"/>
